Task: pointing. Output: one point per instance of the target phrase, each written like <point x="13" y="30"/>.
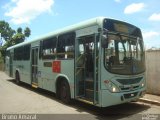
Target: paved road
<point x="24" y="99"/>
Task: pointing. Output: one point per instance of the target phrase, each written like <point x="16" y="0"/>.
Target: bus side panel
<point x="45" y="75"/>
<point x="18" y="66"/>
<point x="67" y="68"/>
<point x="26" y="72"/>
<point x="23" y="68"/>
<point x="47" y="78"/>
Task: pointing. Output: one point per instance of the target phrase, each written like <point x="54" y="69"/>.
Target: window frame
<point x="52" y="44"/>
<point x="22" y="53"/>
<point x="66" y="46"/>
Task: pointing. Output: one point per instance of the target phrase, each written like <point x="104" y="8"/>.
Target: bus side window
<point x="65" y="46"/>
<point x="41" y="50"/>
<point x="48" y="48"/>
<point x="26" y="52"/>
<point x="18" y="53"/>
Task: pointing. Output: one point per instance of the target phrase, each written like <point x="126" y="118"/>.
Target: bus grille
<point x="130" y="95"/>
<point x="129" y="88"/>
<point x="129" y="81"/>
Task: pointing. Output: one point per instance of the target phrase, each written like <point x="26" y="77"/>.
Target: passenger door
<point x="34" y="67"/>
<point x="86" y="69"/>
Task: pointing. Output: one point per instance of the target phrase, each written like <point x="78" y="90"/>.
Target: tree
<point x="6" y="31"/>
<point x="4" y="47"/>
<point x="18" y="37"/>
<point x="19" y="30"/>
<point x="11" y="36"/>
<point x="27" y="32"/>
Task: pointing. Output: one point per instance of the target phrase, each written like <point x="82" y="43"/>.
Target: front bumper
<point x="109" y="99"/>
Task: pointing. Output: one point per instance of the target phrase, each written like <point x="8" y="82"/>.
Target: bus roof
<point x="93" y="21"/>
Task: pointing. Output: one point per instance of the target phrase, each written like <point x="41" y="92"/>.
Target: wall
<point x="153" y="71"/>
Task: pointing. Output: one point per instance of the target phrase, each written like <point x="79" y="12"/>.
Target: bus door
<point x="86" y="69"/>
<point x="34" y="67"/>
<point x="11" y="65"/>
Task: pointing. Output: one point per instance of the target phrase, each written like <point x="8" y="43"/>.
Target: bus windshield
<point x="124" y="54"/>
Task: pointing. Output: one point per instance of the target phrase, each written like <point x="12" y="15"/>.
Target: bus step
<point x="89" y="80"/>
<point x="89" y="85"/>
<point x="34" y="85"/>
<point x="85" y="100"/>
<point x="89" y="94"/>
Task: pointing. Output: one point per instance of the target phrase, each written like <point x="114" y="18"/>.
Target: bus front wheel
<point x="65" y="92"/>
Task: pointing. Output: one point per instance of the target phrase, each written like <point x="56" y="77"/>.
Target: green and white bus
<point x="100" y="61"/>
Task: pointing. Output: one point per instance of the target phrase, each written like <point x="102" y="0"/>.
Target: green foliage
<point x="6" y="31"/>
<point x="18" y="38"/>
<point x="11" y="36"/>
<point x="27" y="32"/>
<point x="19" y="30"/>
<point x="4" y="47"/>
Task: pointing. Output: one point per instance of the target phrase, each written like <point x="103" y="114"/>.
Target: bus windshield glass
<point x="125" y="51"/>
<point x="124" y="54"/>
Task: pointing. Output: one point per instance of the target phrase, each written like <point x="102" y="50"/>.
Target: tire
<point x="65" y="95"/>
<point x="58" y="88"/>
<point x="17" y="78"/>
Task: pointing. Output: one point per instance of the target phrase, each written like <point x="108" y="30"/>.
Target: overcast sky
<point x="43" y="16"/>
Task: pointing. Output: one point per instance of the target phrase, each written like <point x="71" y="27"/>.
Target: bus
<point x="100" y="61"/>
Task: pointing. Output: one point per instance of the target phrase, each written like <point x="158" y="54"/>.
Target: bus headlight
<point x="111" y="86"/>
<point x="143" y="83"/>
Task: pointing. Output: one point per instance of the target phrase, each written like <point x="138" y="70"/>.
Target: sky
<point x="43" y="16"/>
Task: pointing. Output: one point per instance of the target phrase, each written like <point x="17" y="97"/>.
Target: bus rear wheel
<point x="65" y="92"/>
<point x="17" y="78"/>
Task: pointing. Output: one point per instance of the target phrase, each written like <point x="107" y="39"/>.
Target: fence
<point x="153" y="71"/>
